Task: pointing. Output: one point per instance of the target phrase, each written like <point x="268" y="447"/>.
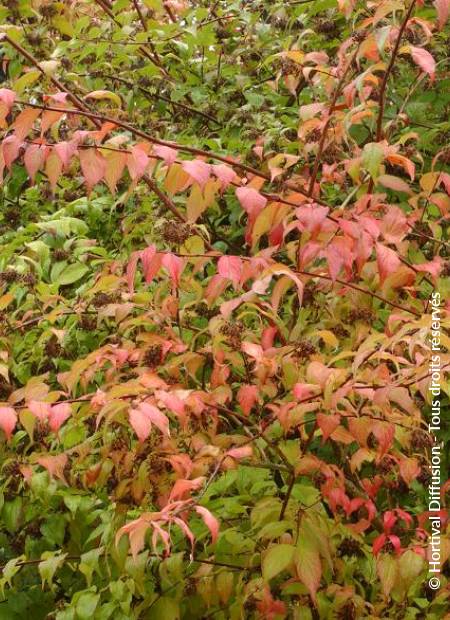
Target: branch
<point x="323" y="136"/>
<point x="389" y="71"/>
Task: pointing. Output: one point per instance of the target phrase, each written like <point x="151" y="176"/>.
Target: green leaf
<point x="49" y="566"/>
<point x="387" y="569"/>
<point x="308" y="564"/>
<point x="277" y="559"/>
<point x="12" y="514"/>
<point x="72" y="273"/>
<point x="165" y="608"/>
<point x="372" y="156"/>
<point x="86" y="605"/>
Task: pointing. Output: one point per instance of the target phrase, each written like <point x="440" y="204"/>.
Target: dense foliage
<point x="222" y="224"/>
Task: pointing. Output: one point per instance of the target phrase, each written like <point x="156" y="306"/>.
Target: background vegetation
<point x="221" y="224"/>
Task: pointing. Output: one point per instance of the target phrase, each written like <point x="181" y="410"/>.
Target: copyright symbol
<point x="434" y="583"/>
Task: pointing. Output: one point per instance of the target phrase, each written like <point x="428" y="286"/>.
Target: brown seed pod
<point x="153" y="356"/>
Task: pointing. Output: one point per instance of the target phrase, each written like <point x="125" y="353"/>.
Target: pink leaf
<point x="224" y="173"/>
<point x="409" y="469"/>
<point x="40" y="409"/>
<point x="183" y="488"/>
<point x="394" y="225"/>
<point x="147" y="257"/>
<point x="131" y="270"/>
<point x="240" y="453"/>
<point x="137" y="162"/>
<point x="251" y="200"/>
<point x="142" y="418"/>
<point x="230" y="267"/>
<point x="424" y="60"/>
<point x="166" y="153"/>
<point x="54" y="464"/>
<point x="156" y="417"/>
<point x="136" y="531"/>
<point x="8" y="420"/>
<point x="303" y="391"/>
<point x="93" y="166"/>
<point x="210" y="521"/>
<point x="7" y="97"/>
<point x="328" y="424"/>
<point x="387" y="261"/>
<point x="58" y="415"/>
<point x="140" y="423"/>
<point x="65" y="152"/>
<point x="115" y="165"/>
<point x="253" y="350"/>
<point x="247" y="397"/>
<point x="199" y="170"/>
<point x="24" y="122"/>
<point x="33" y="160"/>
<point x="443" y="10"/>
<point x="172" y="402"/>
<point x="174" y="265"/>
<point x="11" y="147"/>
<point x="378" y="544"/>
<point x="433" y="267"/>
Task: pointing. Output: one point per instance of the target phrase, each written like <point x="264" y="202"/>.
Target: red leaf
<point x="33" y="160"/>
<point x="443" y="10"/>
<point x="328" y="424"/>
<point x="183" y="488"/>
<point x="8" y="420"/>
<point x="409" y="469"/>
<point x="433" y="267"/>
<point x="150" y="269"/>
<point x="11" y="147"/>
<point x="53" y="169"/>
<point x="131" y="270"/>
<point x="7" y="97"/>
<point x="210" y="521"/>
<point x="157" y="417"/>
<point x="199" y="170"/>
<point x="58" y="415"/>
<point x="424" y="60"/>
<point x="172" y="402"/>
<point x="54" y="465"/>
<point x="166" y="153"/>
<point x="240" y="453"/>
<point x="247" y="397"/>
<point x="24" y="122"/>
<point x="387" y="261"/>
<point x="394" y="225"/>
<point x="65" y="152"/>
<point x="142" y="418"/>
<point x="115" y="165"/>
<point x="137" y="162"/>
<point x="93" y="166"/>
<point x="224" y="173"/>
<point x="136" y="531"/>
<point x="230" y="267"/>
<point x="40" y="409"/>
<point x="251" y="200"/>
<point x="378" y="544"/>
<point x="302" y="391"/>
<point x="174" y="265"/>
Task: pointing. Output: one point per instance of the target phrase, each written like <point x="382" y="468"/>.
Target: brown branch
<point x="169" y="12"/>
<point x="140" y="15"/>
<point x="323" y="136"/>
<point x="174" y="145"/>
<point x="388" y="72"/>
<point x="287" y="497"/>
<point x="79" y="103"/>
